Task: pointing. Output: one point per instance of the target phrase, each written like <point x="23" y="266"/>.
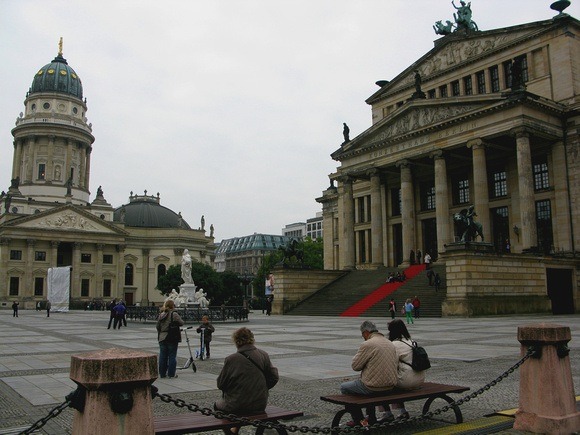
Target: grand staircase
<point x="365" y="293"/>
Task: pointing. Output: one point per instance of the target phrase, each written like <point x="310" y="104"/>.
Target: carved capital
<point x="30" y="242"/>
<point x="436" y="155"/>
<point x="476" y="144"/>
<point x="373" y="172"/>
<point x="78" y="245"/>
<point x="177" y="251"/>
<point x="5" y="240"/>
<point x="120" y="248"/>
<point x="100" y="246"/>
<point x="54" y="244"/>
<point x="520" y="132"/>
<point x="403" y="164"/>
<point x="145" y="251"/>
<point x="345" y="179"/>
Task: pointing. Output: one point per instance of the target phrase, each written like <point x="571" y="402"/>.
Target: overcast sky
<point x="227" y="108"/>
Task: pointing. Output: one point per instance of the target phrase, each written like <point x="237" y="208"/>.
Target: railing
<point x="215" y="314"/>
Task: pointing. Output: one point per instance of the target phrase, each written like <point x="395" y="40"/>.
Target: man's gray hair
<point x="368" y="326"/>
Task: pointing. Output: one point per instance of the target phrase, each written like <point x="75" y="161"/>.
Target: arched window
<point x="128" y="274"/>
<point x="161" y="270"/>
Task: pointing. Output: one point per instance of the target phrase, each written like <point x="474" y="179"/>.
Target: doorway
<point x="500" y="229"/>
<point x="561" y="290"/>
<point x="128" y="298"/>
<point x="429" y="229"/>
<point x="398" y="243"/>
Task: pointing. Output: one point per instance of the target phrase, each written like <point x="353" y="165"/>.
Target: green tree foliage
<point x="313" y="253"/>
<point x="268" y="263"/>
<point x="171" y="280"/>
<point x="233" y="289"/>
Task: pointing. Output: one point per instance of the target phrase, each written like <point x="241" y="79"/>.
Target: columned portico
<point x="480" y="185"/>
<point x="528" y="227"/>
<point x="76" y="269"/>
<point x="28" y="266"/>
<point x="441" y="201"/>
<point x="346" y="234"/>
<point x="376" y="218"/>
<point x="408" y="210"/>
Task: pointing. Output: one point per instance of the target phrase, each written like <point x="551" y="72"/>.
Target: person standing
<point x="269" y="292"/>
<point x="409" y="311"/>
<point x="419" y="257"/>
<point x="119" y="315"/>
<point x="48" y="306"/>
<point x="15" y="308"/>
<point x="168" y="346"/>
<point x="416" y="306"/>
<point x="208" y="329"/>
<point x="437" y="282"/>
<point x="242" y="379"/>
<point x="427" y="260"/>
<point x="392" y="308"/>
<point x="112" y="310"/>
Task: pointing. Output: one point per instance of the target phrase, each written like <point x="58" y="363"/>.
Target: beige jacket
<point x="408" y="378"/>
<point x="377" y="361"/>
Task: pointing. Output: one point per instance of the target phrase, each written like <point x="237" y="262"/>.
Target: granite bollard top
<point x="544" y="332"/>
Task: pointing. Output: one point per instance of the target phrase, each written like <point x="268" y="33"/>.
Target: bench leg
<point x="456" y="410"/>
<point x="355" y="413"/>
<point x="281" y="431"/>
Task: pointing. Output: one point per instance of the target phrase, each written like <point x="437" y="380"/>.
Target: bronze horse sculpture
<point x="471" y="229"/>
<point x="292" y="250"/>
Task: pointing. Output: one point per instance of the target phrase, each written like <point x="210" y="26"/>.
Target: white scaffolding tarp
<point x="59" y="288"/>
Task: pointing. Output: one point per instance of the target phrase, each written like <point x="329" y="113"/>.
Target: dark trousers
<point x="118" y="322"/>
<point x="111" y="319"/>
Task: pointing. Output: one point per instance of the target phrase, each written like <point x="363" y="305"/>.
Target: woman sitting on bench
<point x="408" y="378"/>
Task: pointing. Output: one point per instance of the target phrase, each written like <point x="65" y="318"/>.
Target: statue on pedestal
<point x="471" y="229"/>
<point x="200" y="298"/>
<point x="186" y="267"/>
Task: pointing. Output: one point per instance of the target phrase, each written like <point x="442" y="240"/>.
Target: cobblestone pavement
<point x="313" y="355"/>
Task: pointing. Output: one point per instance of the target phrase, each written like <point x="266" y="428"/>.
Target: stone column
<point x="547" y="398"/>
<point x="528" y="227"/>
<point x="480" y="186"/>
<point x="376" y="219"/>
<point x="408" y="210"/>
<point x="50" y="159"/>
<point x="54" y="253"/>
<point x="145" y="278"/>
<point x="441" y="201"/>
<point x="82" y="165"/>
<point x="4" y="250"/>
<point x="118" y="392"/>
<point x="561" y="211"/>
<point x="28" y="266"/>
<point x="76" y="272"/>
<point x="68" y="161"/>
<point x="30" y="159"/>
<point x="88" y="167"/>
<point x="17" y="162"/>
<point x="99" y="271"/>
<point x="118" y="293"/>
<point x="346" y="215"/>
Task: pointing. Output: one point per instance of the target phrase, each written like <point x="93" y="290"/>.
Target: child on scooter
<point x="206" y="329"/>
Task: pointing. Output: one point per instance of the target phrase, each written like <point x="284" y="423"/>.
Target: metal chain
<point x="52" y="414"/>
<point x="328" y="430"/>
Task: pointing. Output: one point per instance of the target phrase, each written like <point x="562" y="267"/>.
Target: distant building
<point x="314" y="228"/>
<point x="296" y="230"/>
<point x="47" y="218"/>
<point x="244" y="255"/>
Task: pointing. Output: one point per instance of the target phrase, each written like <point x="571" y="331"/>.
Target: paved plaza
<point x="313" y="355"/>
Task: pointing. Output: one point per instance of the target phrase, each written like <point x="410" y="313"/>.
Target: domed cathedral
<point x="472" y="157"/>
<point x="48" y="220"/>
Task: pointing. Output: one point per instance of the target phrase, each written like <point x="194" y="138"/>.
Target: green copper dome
<point x="57" y="76"/>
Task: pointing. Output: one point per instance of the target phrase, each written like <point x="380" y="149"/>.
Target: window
<point x="107" y="259"/>
<point x="128" y="274"/>
<point x="443" y="91"/>
<point x="540" y="169"/>
<point x="41" y="171"/>
<point x="499" y="187"/>
<point x="85" y="286"/>
<point x="107" y="285"/>
<point x="480" y="77"/>
<point x="161" y="271"/>
<point x="15" y="255"/>
<point x="396" y="201"/>
<point x="544" y="225"/>
<point x="427" y="196"/>
<point x="507" y="73"/>
<point x="40" y="256"/>
<point x="468" y="85"/>
<point x="14" y="284"/>
<point x="455" y="90"/>
<point x="524" y="65"/>
<point x="431" y="94"/>
<point x="38" y="286"/>
<point x="494" y="77"/>
<point x="461" y="190"/>
<point x="85" y="258"/>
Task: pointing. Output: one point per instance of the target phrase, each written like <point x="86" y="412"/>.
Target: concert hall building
<point x="487" y="118"/>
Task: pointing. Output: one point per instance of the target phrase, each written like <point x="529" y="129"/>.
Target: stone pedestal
<point x="547" y="399"/>
<point x="189" y="290"/>
<point x="120" y="377"/>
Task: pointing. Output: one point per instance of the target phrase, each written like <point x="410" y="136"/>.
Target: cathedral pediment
<point x="66" y="218"/>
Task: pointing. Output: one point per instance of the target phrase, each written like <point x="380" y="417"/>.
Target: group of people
<point x="410" y="308"/>
<point x="118" y="317"/>
<point x="16" y="306"/>
<point x="419" y="258"/>
<point x="399" y="277"/>
<point x="384" y="364"/>
<point x="246" y="376"/>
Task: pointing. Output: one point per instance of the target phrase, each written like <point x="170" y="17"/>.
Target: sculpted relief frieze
<point x="66" y="221"/>
<point x="420" y="118"/>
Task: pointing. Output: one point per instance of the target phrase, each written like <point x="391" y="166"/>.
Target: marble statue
<point x="201" y="299"/>
<point x="186" y="267"/>
<point x="178" y="299"/>
<point x="202" y="222"/>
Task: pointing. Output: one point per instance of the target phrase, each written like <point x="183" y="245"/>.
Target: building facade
<point x="47" y="218"/>
<point x="486" y="119"/>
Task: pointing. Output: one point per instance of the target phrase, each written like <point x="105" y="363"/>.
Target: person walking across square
<point x="208" y="330"/>
<point x="409" y="311"/>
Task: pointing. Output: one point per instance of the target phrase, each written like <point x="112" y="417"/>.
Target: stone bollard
<point x="118" y="392"/>
<point x="547" y="400"/>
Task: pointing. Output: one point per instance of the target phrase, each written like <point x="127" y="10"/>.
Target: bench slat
<point x="427" y="390"/>
<point x="195" y="422"/>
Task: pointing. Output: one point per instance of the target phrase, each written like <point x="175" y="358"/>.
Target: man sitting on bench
<point x="377" y="361"/>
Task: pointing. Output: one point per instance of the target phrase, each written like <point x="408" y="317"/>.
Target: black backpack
<point x="420" y="360"/>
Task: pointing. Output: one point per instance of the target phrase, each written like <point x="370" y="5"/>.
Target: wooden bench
<point x="195" y="422"/>
<point x="354" y="404"/>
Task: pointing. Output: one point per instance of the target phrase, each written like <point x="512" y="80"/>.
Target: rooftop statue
<point x="443" y="29"/>
<point x="346" y="132"/>
<point x="462" y="19"/>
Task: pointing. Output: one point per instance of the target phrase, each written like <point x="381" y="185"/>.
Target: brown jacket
<point x="244" y="385"/>
<point x="377" y="361"/>
<point x="163" y="323"/>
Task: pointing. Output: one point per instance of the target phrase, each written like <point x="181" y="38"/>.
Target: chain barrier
<point x="76" y="400"/>
<point x="334" y="430"/>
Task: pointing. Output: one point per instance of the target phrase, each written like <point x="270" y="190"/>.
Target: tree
<point x="171" y="280"/>
<point x="313" y="253"/>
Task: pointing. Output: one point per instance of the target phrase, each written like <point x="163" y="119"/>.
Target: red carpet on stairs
<point x="381" y="293"/>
